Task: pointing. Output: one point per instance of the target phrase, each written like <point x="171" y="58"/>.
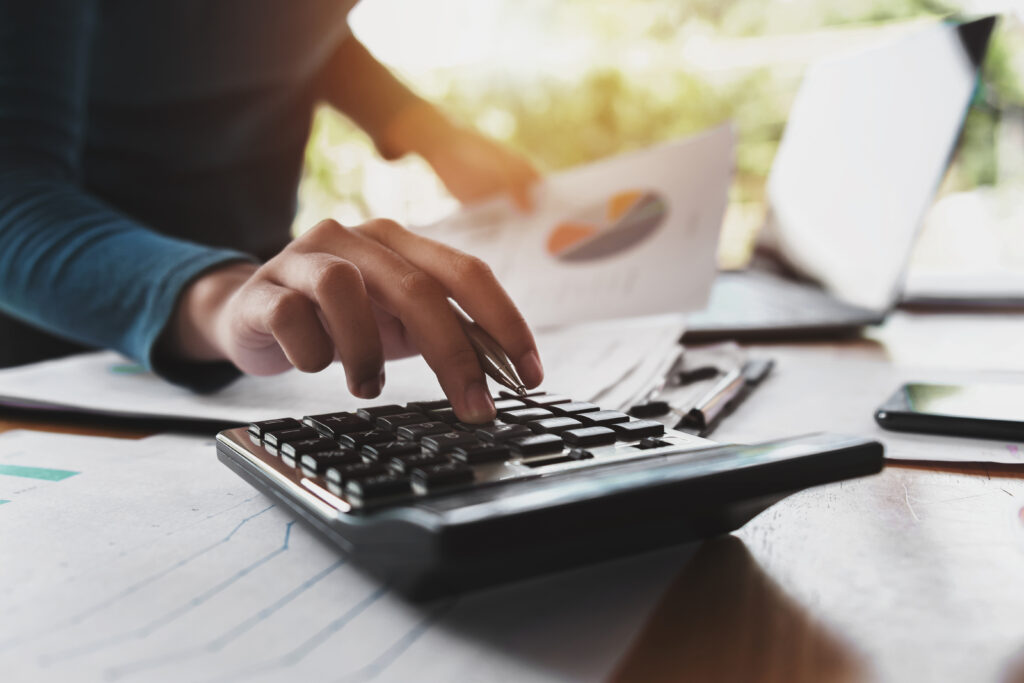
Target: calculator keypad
<point x="386" y="454"/>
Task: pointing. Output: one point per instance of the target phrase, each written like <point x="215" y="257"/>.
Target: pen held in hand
<point x="493" y="359"/>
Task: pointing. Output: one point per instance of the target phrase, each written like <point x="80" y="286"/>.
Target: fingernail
<point x="479" y="405"/>
<point x="371" y="387"/>
<point x="531" y="370"/>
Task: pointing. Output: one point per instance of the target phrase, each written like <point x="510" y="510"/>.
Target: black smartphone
<point x="988" y="411"/>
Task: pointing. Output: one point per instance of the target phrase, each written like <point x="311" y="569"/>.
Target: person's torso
<point x="199" y="110"/>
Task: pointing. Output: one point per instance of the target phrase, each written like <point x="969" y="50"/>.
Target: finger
<point x="291" y="319"/>
<point x="394" y="337"/>
<point x="522" y="196"/>
<point x="528" y="171"/>
<point x="473" y="285"/>
<point x="524" y="178"/>
<point x="337" y="287"/>
<point x="421" y="303"/>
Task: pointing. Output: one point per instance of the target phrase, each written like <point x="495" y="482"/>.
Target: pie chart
<point x="623" y="221"/>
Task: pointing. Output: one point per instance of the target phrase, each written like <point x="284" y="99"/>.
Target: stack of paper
<point x="609" y="362"/>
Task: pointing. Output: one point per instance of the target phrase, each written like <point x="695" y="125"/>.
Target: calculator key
<point x="343" y="474"/>
<point x="603" y="418"/>
<point x="652" y="442"/>
<point x="471" y="427"/>
<point x="360" y="439"/>
<point x="650" y="409"/>
<point x="502" y="433"/>
<point x="576" y="407"/>
<point x="478" y="455"/>
<point x="443" y="415"/>
<point x="300" y="433"/>
<point x="638" y="429"/>
<point x="589" y="436"/>
<point x="539" y="444"/>
<point x="424" y="406"/>
<point x="373" y="412"/>
<point x="508" y="404"/>
<point x="296" y="449"/>
<point x="317" y="463"/>
<point x="580" y="454"/>
<point x="437" y="476"/>
<point x="442" y="443"/>
<point x="261" y="429"/>
<point x="524" y="415"/>
<point x="336" y="424"/>
<point x="554" y="425"/>
<point x="393" y="422"/>
<point x="407" y="463"/>
<point x="386" y="450"/>
<point x="547" y="400"/>
<point x="511" y="394"/>
<point x="544" y="461"/>
<point x="378" y="486"/>
<point x="418" y="431"/>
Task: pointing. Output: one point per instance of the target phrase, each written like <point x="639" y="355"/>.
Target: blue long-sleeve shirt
<point x="142" y="143"/>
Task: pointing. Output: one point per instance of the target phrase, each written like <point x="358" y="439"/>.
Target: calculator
<point x="435" y="506"/>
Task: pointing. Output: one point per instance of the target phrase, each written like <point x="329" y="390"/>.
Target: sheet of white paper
<point x="628" y="236"/>
<point x="585" y="362"/>
<point x="155" y="563"/>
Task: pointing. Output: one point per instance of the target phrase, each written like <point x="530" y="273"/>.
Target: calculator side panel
<point x="632" y="516"/>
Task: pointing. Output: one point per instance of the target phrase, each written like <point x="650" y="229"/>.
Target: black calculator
<point x="435" y="506"/>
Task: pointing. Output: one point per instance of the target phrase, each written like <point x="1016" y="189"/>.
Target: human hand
<point x="358" y="295"/>
<point x="472" y="166"/>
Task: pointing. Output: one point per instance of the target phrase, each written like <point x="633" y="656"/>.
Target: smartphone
<point x="988" y="411"/>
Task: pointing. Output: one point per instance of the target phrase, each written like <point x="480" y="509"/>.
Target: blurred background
<point x="571" y="81"/>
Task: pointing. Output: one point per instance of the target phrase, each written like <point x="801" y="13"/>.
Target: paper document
<point x="609" y="362"/>
<point x="628" y="236"/>
<point x="151" y="561"/>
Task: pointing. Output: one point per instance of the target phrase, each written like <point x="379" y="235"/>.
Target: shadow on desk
<point x="724" y="619"/>
<point x="721" y="619"/>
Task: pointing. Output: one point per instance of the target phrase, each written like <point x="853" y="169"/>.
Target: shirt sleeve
<point x="69" y="263"/>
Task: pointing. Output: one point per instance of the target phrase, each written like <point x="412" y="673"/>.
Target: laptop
<point x="867" y="143"/>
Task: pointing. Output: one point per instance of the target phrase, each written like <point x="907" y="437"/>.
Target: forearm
<point x="73" y="266"/>
<point x="397" y="120"/>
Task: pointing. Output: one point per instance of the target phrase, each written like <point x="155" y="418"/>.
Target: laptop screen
<point x="867" y="143"/>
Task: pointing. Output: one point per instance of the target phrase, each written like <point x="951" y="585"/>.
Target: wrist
<point x="194" y="331"/>
<point x="418" y="129"/>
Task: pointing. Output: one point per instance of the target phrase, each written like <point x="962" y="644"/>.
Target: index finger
<point x="473" y="285"/>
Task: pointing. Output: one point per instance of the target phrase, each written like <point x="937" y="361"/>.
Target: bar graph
<point x="42" y="473"/>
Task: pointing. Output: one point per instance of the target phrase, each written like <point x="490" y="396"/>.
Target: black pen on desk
<point x="724" y="396"/>
<point x="493" y="359"/>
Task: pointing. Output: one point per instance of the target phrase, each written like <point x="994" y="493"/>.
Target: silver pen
<point x="493" y="359"/>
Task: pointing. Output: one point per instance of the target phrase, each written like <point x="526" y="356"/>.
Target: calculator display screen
<point x="979" y="401"/>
